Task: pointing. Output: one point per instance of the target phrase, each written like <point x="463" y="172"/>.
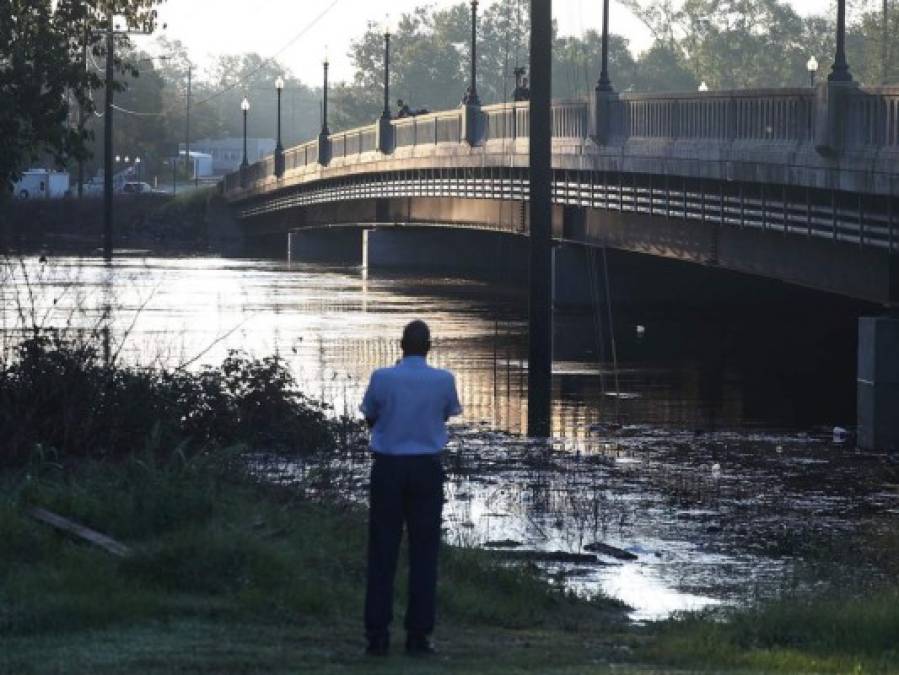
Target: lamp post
<point x="840" y="70"/>
<point x="137" y="166"/>
<point x="812" y="67"/>
<point x="324" y="136"/>
<point x="385" y="114"/>
<point x="385" y="127"/>
<point x="605" y="84"/>
<point x="279" y="148"/>
<point x="245" y="107"/>
<point x="325" y="131"/>
<point x="471" y="95"/>
<point x="885" y="43"/>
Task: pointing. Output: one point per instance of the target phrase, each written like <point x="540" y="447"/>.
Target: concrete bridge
<point x="799" y="185"/>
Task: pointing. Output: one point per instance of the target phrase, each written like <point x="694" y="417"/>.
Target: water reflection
<point x="714" y="482"/>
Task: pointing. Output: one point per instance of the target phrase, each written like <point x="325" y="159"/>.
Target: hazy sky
<point x="212" y="27"/>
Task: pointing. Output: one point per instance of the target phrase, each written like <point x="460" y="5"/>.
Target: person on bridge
<point x="404" y="109"/>
<point x="406" y="407"/>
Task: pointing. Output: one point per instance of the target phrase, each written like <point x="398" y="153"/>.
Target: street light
<point x="279" y="148"/>
<point x="812" y="67"/>
<point x="137" y="166"/>
<point x="471" y="95"/>
<point x="605" y="84"/>
<point x="840" y="69"/>
<point x="703" y="86"/>
<point x="325" y="130"/>
<point x="245" y="107"/>
<point x="386" y="112"/>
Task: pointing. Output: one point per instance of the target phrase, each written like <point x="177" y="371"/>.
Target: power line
<point x="246" y="77"/>
<point x="274" y="56"/>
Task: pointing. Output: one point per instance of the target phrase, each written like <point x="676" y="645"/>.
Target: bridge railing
<point x="767" y="115"/>
<point x="353" y="142"/>
<point x="441" y="127"/>
<point x="873" y="117"/>
<point x="774" y="114"/>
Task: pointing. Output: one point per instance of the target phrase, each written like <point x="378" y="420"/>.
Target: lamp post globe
<point x="812" y="67"/>
<point x="703" y="86"/>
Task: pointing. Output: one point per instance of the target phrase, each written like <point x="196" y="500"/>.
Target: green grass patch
<point x="791" y="635"/>
<point x="278" y="578"/>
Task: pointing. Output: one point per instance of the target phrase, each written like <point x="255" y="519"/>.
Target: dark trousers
<point x="404" y="489"/>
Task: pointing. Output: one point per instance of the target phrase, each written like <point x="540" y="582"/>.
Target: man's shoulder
<point x="441" y="374"/>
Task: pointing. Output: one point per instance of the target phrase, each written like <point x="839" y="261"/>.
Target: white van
<point x="42" y="184"/>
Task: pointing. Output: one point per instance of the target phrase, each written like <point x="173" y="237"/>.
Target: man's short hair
<point x="416" y="337"/>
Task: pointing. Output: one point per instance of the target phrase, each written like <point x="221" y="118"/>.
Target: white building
<point x="227" y="153"/>
<point x="201" y="161"/>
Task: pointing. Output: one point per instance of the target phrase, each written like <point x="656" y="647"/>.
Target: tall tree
<point x="43" y="74"/>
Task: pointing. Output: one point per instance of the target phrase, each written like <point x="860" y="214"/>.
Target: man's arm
<point x="453" y="407"/>
<point x="371" y="405"/>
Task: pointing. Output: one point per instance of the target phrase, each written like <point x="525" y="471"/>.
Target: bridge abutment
<point x="878" y="383"/>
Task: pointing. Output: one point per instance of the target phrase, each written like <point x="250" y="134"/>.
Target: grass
<point x="791" y="635"/>
<point x="230" y="576"/>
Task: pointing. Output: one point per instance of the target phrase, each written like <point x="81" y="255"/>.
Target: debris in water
<point x="612" y="551"/>
<point x="502" y="543"/>
<point x="840" y="435"/>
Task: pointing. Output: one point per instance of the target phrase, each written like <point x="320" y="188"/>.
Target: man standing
<point x="407" y="407"/>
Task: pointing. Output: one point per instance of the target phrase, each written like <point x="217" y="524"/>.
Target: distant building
<point x="202" y="163"/>
<point x="227" y="153"/>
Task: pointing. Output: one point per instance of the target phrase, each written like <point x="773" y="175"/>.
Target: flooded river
<point x="707" y="461"/>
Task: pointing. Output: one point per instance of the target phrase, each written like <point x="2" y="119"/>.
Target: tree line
<point x="52" y="55"/>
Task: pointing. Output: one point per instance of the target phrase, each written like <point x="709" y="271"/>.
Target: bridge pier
<point x="337" y="245"/>
<point x="878" y="383"/>
<point x="491" y="255"/>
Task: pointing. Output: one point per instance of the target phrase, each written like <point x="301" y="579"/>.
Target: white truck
<point x="42" y="184"/>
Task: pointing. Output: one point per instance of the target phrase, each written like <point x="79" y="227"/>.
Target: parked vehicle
<point x="135" y="188"/>
<point x="42" y="184"/>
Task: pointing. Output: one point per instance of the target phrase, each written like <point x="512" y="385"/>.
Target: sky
<point x="301" y="31"/>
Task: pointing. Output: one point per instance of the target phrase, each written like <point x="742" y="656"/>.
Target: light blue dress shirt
<point x="410" y="404"/>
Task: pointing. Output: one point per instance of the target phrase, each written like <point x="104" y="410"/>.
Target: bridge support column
<point x="488" y="255"/>
<point x="600" y="122"/>
<point x="337" y="245"/>
<point x="386" y="142"/>
<point x="473" y="125"/>
<point x="878" y="383"/>
<point x="832" y="102"/>
<point x="576" y="277"/>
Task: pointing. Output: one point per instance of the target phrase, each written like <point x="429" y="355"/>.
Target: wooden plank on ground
<point x="85" y="533"/>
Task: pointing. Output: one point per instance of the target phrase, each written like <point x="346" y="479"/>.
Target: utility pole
<point x="187" y="162"/>
<point x="540" y="323"/>
<point x="885" y="44"/>
<point x="107" y="138"/>
<point x="81" y="116"/>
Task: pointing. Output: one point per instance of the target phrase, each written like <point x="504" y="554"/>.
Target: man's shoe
<point x="379" y="646"/>
<point x="419" y="645"/>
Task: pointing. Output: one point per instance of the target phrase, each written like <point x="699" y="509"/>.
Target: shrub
<point x="62" y="396"/>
